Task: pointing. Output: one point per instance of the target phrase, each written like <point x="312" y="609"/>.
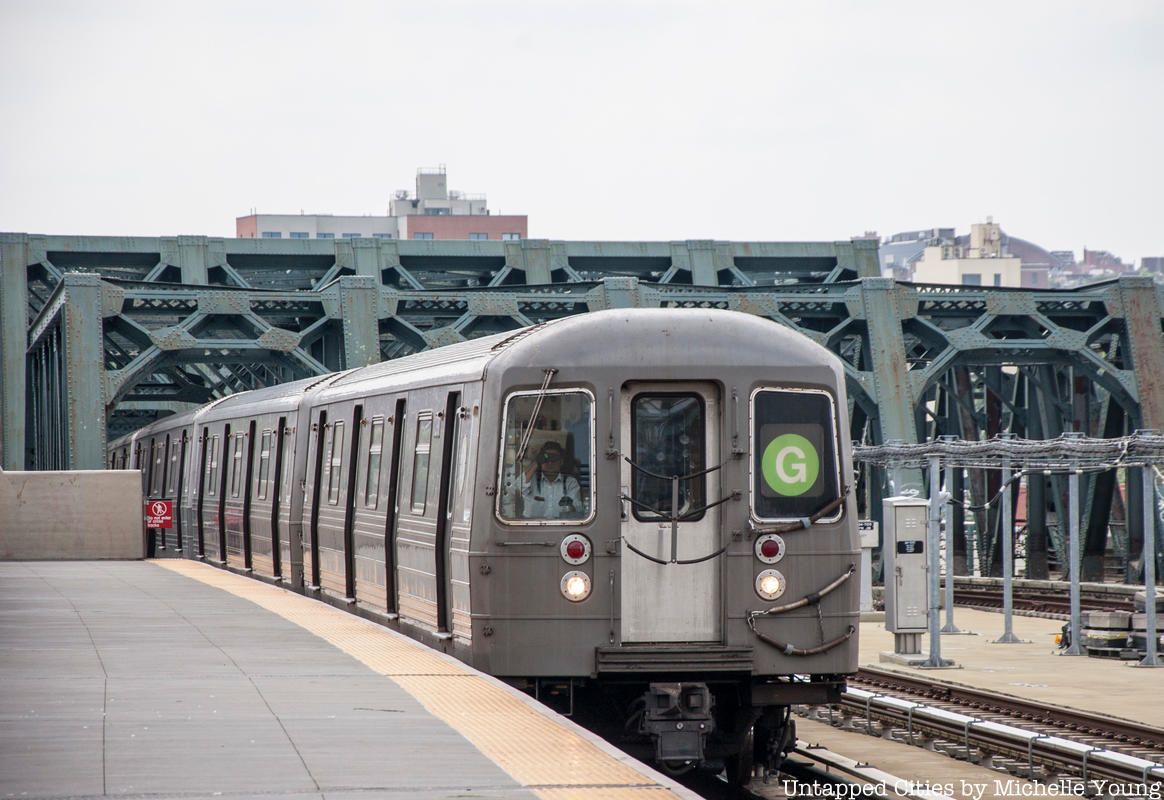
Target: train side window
<point x="212" y="471"/>
<point x="375" y="447"/>
<point x="669" y="439"/>
<point x="236" y="463"/>
<point x="420" y="458"/>
<point x="336" y="460"/>
<point x="552" y="433"/>
<point x="264" y="464"/>
<point x="795" y="468"/>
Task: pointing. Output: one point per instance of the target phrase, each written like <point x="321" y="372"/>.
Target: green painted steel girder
<point x="183" y="319"/>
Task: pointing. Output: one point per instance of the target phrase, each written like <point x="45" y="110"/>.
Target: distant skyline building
<point x="433" y="212"/>
<point x="988" y="256"/>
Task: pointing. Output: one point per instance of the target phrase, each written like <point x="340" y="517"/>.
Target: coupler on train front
<point x="693" y="727"/>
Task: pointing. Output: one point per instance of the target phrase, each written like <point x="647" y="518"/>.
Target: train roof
<point x="636" y="337"/>
<point x="664" y="337"/>
<point x="453" y="363"/>
<point x="281" y="397"/>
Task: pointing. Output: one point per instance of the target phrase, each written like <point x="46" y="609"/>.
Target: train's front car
<point x="675" y="526"/>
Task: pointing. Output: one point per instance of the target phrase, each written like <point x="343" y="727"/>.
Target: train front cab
<point x="713" y="585"/>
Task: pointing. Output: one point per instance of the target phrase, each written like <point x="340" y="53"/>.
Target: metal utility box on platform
<point x="870" y="534"/>
<point x="903" y="553"/>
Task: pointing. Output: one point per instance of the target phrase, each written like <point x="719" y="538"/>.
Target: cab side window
<point x="547" y="457"/>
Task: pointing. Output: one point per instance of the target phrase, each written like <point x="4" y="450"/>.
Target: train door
<point x="349" y="504"/>
<point x="320" y="438"/>
<point x="670" y="485"/>
<point x="371" y="494"/>
<point x="178" y="468"/>
<point x="392" y="504"/>
<point x="442" y="539"/>
<point x="340" y="426"/>
<point x="233" y="500"/>
<point x="219" y="486"/>
<point x="290" y="516"/>
<point x="274" y="489"/>
<point x="200" y="496"/>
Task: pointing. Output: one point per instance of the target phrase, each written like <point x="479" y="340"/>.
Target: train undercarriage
<point x="731" y="724"/>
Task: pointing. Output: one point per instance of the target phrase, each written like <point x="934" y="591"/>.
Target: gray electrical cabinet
<point x="904" y="555"/>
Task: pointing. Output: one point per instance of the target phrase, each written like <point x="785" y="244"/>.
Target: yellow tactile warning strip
<point x="549" y="759"/>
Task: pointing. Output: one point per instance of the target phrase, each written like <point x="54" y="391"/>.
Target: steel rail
<point x="1036" y="749"/>
<point x="1082" y="722"/>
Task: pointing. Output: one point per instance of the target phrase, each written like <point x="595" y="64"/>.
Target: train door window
<point x="212" y="471"/>
<point x="336" y="462"/>
<point x="175" y="468"/>
<point x="795" y="469"/>
<point x="420" y="457"/>
<point x="159" y="456"/>
<point x="375" y="448"/>
<point x="669" y="440"/>
<point x="235" y="466"/>
<point x="264" y="464"/>
<point x="163" y="461"/>
<point x="547" y="455"/>
<point x="288" y="469"/>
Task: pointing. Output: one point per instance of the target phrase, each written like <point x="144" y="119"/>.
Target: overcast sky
<point x="760" y="121"/>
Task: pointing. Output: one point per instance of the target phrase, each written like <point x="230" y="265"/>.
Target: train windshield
<point x="795" y="470"/>
<point x="547" y="457"/>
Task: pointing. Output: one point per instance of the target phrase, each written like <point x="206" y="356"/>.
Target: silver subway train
<point x="645" y="511"/>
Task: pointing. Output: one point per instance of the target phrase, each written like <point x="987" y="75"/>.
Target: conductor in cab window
<point x="548" y="493"/>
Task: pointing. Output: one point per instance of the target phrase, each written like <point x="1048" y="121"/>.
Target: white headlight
<point x="770" y="584"/>
<point x="575" y="586"/>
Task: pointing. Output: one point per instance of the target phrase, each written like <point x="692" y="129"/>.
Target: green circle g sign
<point x="790" y="465"/>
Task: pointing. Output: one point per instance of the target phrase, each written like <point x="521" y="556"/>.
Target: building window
<point x="423" y="236"/>
<point x="478" y="237"/>
<point x="272" y="234"/>
<point x="998" y="279"/>
<point x="325" y="236"/>
<point x="510" y="237"/>
<point x="383" y="235"/>
<point x="971" y="279"/>
<point x="436" y="212"/>
<point x="350" y="235"/>
<point x="300" y="235"/>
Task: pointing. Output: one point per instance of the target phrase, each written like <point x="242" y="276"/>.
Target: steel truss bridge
<point x="101" y="335"/>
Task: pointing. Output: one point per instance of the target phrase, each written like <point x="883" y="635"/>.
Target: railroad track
<point x="1019" y="736"/>
<point x="1044" y="598"/>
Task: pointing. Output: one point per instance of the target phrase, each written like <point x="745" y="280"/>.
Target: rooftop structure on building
<point x="1152" y="264"/>
<point x="939" y="255"/>
<point x="431" y="212"/>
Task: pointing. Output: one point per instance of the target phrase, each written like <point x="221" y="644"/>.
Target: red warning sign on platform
<point x="159" y="513"/>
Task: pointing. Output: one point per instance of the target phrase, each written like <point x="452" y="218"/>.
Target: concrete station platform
<point x="1033" y="669"/>
<point x="177" y="680"/>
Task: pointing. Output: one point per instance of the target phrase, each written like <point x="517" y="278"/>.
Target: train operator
<point x="549" y="493"/>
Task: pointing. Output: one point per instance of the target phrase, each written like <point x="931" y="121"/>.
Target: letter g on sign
<point x="790" y="465"/>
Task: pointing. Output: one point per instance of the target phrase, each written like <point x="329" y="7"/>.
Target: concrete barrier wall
<point x="79" y="515"/>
